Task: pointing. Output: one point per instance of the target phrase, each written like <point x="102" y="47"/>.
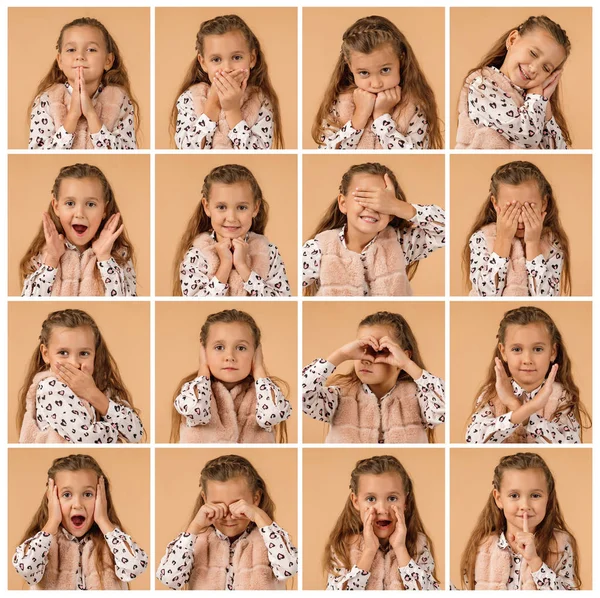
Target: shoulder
<point x="328" y="235"/>
<point x="422" y="543"/>
<point x="202" y="241"/>
<point x="488" y="543"/>
<point x="114" y="94"/>
<point x="563" y="539"/>
<point x="197" y="90"/>
<point x="47" y="382"/>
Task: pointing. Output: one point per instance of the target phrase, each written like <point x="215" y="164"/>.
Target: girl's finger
<point x="116" y="234"/>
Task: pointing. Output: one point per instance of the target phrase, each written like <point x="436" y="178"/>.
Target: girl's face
<point x="531" y="58"/>
<point x="380" y="492"/>
<point x="77" y="496"/>
<point x="363" y="220"/>
<point x="226" y="52"/>
<point x="84" y="47"/>
<point x="377" y="71"/>
<point x="231" y="209"/>
<point x="522" y="491"/>
<point x="528" y="350"/>
<point x="76" y="346"/>
<point x="227" y="493"/>
<point x="230" y="352"/>
<point x="527" y="192"/>
<point x="368" y="369"/>
<point x="81" y="208"/>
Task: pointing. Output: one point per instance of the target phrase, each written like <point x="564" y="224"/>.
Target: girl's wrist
<point x="535" y="564"/>
<point x="234" y="117"/>
<point x="402" y="555"/>
<point x="105" y="526"/>
<point x="261" y="519"/>
<point x="405" y="210"/>
<point x="51" y="528"/>
<point x="336" y="358"/>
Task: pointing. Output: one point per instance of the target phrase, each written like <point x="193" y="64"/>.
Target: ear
<point x="55" y="205"/>
<point x="342" y="204"/>
<point x="253" y="59"/>
<point x="554" y="353"/>
<point x="409" y="354"/>
<point x="202" y="62"/>
<point x="544" y="203"/>
<point x="502" y="349"/>
<point x="513" y="36"/>
<point x="256" y="499"/>
<point x="110" y="60"/>
<point x="59" y="61"/>
<point x="495" y="203"/>
<point x="45" y="356"/>
<point x="497" y="499"/>
<point x="256" y="208"/>
<point x="203" y="496"/>
<point x="354" y="500"/>
<point x="205" y="206"/>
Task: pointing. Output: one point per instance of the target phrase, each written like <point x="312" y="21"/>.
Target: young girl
<point x="230" y="398"/>
<point x="378" y="97"/>
<point x="76" y="541"/>
<point x="80" y="249"/>
<point x="529" y="394"/>
<point x="379" y="541"/>
<point x="510" y="100"/>
<point x="388" y="398"/>
<point x="370" y="240"/>
<point x="521" y="540"/>
<point x="226" y="100"/>
<point x="232" y="541"/>
<point x="224" y="251"/>
<point x="517" y="246"/>
<point x="73" y="391"/>
<point x="85" y="100"/>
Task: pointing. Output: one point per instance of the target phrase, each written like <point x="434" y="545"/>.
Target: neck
<point x="530" y="387"/>
<point x="381" y="389"/>
<point x="357" y="241"/>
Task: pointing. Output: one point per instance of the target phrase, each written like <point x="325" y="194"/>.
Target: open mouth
<point x="383" y="524"/>
<point x="78" y="521"/>
<point x="79" y="228"/>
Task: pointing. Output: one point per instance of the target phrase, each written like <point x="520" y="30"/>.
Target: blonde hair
<point x="259" y="74"/>
<point x="228" y="316"/>
<point x="365" y="36"/>
<point x="103" y="556"/>
<point x="497" y="54"/>
<point x="116" y="75"/>
<point x="335" y="218"/>
<point x="122" y="250"/>
<point x="227" y="174"/>
<point x="523" y="316"/>
<point x="349" y="524"/>
<point x="106" y="372"/>
<point x="516" y="173"/>
<point x="492" y="522"/>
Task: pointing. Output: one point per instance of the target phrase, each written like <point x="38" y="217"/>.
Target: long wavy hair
<point x="365" y="36"/>
<point x="496" y="55"/>
<point x="226" y="174"/>
<point x="103" y="558"/>
<point x="402" y="333"/>
<point x="523" y="316"/>
<point x="259" y="75"/>
<point x="349" y="524"/>
<point x="116" y="75"/>
<point x="228" y="316"/>
<point x="516" y="173"/>
<point x="106" y="372"/>
<point x="492" y="522"/>
<point x="335" y="218"/>
<point x="122" y="250"/>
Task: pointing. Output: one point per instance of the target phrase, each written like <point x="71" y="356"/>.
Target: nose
<point x="230" y="216"/>
<point x="229" y="356"/>
<point x="376" y="83"/>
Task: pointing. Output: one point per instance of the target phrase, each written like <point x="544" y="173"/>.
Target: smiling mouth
<point x="524" y="74"/>
<point x="369" y="219"/>
<point x="78" y="520"/>
<point x="80" y="229"/>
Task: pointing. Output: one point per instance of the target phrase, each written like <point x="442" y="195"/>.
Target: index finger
<point x="526" y="523"/>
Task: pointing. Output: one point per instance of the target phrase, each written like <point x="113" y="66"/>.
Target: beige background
<point x="420" y="177"/>
<point x="129" y="177"/>
<point x="473" y="329"/>
<point x="323" y="29"/>
<point x="179" y="182"/>
<point x="341" y="320"/>
<point x="125" y="327"/>
<point x="39" y="28"/>
<point x="176" y="29"/>
<point x="321" y="509"/>
<point x="571" y="180"/>
<point x="572" y="472"/>
<point x="177" y="337"/>
<point x="129" y="476"/>
<point x="473" y="31"/>
<point x="176" y="494"/>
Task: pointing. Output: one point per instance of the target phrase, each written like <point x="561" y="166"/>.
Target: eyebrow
<point x="521" y="344"/>
<point x="232" y="52"/>
<point x="68" y="349"/>
<point x="85" y="43"/>
<point x="84" y="488"/>
<point x="85" y="198"/>
<point x="236" y="341"/>
<point x="532" y="490"/>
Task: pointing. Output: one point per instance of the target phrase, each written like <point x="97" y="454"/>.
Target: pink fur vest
<point x="252" y="570"/>
<point x="76" y="275"/>
<point x="361" y="417"/>
<point x="384" y="570"/>
<point x="472" y="136"/>
<point x="520" y="435"/>
<point x="251" y="102"/>
<point x="343" y="272"/>
<point x="30" y="432"/>
<point x="492" y="567"/>
<point x="368" y="140"/>
<point x="107" y="105"/>
<point x="258" y="260"/>
<point x="63" y="561"/>
<point x="232" y="418"/>
<point x="516" y="275"/>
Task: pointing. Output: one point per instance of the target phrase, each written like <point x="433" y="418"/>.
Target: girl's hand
<point x="103" y="245"/>
<point x="358" y="349"/>
<point x="398" y="537"/>
<point x="383" y="201"/>
<point x="364" y="103"/>
<point x="504" y="388"/>
<point x="230" y="89"/>
<point x="391" y="353"/>
<point x="86" y="102"/>
<point x="386" y="100"/>
<point x="75" y="112"/>
<point x="370" y="540"/>
<point x="101" y="508"/>
<point x="548" y="87"/>
<point x="240" y="256"/>
<point x="258" y="364"/>
<point x="54" y="510"/>
<point x="525" y="543"/>
<point x="534" y="224"/>
<point x="55" y="243"/>
<point x="507" y="221"/>
<point x="203" y="369"/>
<point x="224" y="250"/>
<point x="242" y="509"/>
<point x="80" y="381"/>
<point x="541" y="398"/>
<point x="207" y="514"/>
